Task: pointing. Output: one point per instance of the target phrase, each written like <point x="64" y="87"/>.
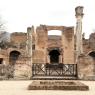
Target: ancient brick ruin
<point x="36" y="54"/>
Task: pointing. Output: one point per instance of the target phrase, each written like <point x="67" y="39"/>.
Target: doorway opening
<point x="54" y="56"/>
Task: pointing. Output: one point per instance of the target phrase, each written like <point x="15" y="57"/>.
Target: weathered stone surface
<point x="57" y="85"/>
<point x="22" y="71"/>
<point x="85" y="67"/>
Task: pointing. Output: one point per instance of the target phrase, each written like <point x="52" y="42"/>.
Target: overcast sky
<point x="19" y="14"/>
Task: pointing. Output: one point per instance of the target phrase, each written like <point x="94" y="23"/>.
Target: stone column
<point x="29" y="46"/>
<point x="60" y="58"/>
<point x="29" y="42"/>
<point x="48" y="59"/>
<point x="79" y="15"/>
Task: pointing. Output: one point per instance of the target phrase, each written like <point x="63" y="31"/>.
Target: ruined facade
<point x="46" y="45"/>
<point x="37" y="54"/>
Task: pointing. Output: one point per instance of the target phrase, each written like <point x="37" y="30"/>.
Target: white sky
<point x="19" y="14"/>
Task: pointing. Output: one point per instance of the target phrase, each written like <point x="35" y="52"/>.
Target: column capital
<point x="79" y="11"/>
<point x="28" y="28"/>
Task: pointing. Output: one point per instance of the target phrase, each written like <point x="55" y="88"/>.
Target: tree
<point x="5" y="44"/>
<point x="3" y="34"/>
<point x="2" y="25"/>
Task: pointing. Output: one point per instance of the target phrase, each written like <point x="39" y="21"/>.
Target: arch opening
<point x="92" y="54"/>
<point x="54" y="56"/>
<point x="14" y="55"/>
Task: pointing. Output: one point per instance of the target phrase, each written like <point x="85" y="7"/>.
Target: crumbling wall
<point x="92" y="41"/>
<point x="41" y="37"/>
<point x="85" y="67"/>
<point x="23" y="70"/>
<point x="18" y="39"/>
<point x="39" y="54"/>
<point x="68" y="45"/>
<point x="54" y="41"/>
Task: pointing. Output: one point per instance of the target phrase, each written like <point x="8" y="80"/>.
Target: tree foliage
<point x="2" y="25"/>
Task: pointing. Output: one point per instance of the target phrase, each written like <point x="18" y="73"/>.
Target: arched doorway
<point x="54" y="56"/>
<point x="14" y="55"/>
<point x="92" y="54"/>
